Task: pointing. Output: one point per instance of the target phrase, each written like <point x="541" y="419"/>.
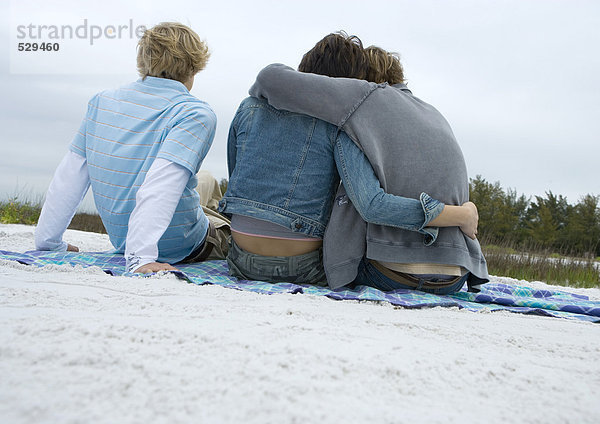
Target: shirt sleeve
<point x="375" y="205"/>
<point x="155" y="204"/>
<point x="330" y="99"/>
<point x="190" y="138"/>
<point x="79" y="141"/>
<point x="67" y="189"/>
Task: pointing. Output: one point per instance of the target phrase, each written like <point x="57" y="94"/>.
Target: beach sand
<point x="80" y="346"/>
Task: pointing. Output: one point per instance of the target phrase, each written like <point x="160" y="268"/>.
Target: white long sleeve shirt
<point x="156" y="201"/>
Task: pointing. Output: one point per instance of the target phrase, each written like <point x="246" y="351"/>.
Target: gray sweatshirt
<point x="412" y="150"/>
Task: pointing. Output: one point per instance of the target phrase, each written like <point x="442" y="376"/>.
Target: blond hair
<point x="171" y="50"/>
<point x="384" y="66"/>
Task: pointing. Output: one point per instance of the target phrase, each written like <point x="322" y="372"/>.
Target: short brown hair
<point x="337" y="55"/>
<point x="384" y="66"/>
<point x="171" y="50"/>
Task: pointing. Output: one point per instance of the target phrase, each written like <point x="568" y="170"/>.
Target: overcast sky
<point x="517" y="80"/>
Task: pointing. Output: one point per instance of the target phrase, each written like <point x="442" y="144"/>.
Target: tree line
<point x="543" y="222"/>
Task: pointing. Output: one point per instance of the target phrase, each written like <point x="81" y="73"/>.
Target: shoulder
<point x="98" y="102"/>
<point x="191" y="108"/>
<point x="96" y="97"/>
<point x="395" y="96"/>
<point x="274" y="69"/>
<point x="120" y="91"/>
<point x="250" y="104"/>
<point x="254" y="102"/>
<point x="110" y="94"/>
<point x="199" y="107"/>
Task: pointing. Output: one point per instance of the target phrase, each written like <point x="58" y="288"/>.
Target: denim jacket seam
<point x="300" y="167"/>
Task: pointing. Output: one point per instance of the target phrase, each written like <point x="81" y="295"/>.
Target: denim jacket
<point x="285" y="168"/>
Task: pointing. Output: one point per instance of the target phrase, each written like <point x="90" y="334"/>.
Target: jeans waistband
<point x="412" y="280"/>
<point x="236" y="252"/>
<point x="305" y="268"/>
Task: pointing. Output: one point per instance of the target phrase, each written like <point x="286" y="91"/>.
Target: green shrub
<point x="14" y="211"/>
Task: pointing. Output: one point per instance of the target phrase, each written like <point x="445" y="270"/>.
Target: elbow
<point x="262" y="77"/>
<point x="369" y="215"/>
<point x="266" y="72"/>
<point x="368" y="211"/>
<point x="368" y="207"/>
<point x="39" y="241"/>
<point x="266" y="80"/>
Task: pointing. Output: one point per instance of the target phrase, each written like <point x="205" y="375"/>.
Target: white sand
<point x="79" y="346"/>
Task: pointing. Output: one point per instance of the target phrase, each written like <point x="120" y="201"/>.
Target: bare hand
<point x="470" y="220"/>
<point x="71" y="248"/>
<point x="155" y="267"/>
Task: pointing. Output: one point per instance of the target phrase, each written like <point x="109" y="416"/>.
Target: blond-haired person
<point x="139" y="147"/>
<point x="384" y="66"/>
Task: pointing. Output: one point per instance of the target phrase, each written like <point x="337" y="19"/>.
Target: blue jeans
<point x="370" y="276"/>
<point x="300" y="269"/>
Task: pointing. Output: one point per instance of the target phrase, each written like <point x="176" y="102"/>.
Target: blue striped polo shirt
<point x="123" y="132"/>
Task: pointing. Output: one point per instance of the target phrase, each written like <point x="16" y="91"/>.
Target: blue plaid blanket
<point x="493" y="296"/>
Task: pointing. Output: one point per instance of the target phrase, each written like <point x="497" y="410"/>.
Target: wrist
<point x="462" y="215"/>
<point x="451" y="216"/>
<point x="134" y="262"/>
<point x="432" y="208"/>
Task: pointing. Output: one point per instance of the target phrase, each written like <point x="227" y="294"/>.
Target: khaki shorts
<point x="218" y="237"/>
<point x="221" y="235"/>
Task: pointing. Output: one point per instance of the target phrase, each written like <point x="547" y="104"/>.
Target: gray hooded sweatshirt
<point x="412" y="150"/>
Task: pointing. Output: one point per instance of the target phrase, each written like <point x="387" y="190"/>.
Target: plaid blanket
<point x="493" y="296"/>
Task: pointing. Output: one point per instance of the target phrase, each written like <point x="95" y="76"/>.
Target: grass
<point x="503" y="259"/>
<point x="551" y="268"/>
<point x="15" y="211"/>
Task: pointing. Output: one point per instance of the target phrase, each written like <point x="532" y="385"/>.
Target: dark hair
<point x="337" y="55"/>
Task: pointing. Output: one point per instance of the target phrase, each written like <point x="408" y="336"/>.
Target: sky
<point x="517" y="80"/>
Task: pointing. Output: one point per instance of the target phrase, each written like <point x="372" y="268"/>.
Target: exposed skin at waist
<point x="465" y="216"/>
<point x="267" y="246"/>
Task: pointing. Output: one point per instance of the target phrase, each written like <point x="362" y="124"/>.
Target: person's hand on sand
<point x="71" y="248"/>
<point x="471" y="220"/>
<point x="155" y="267"/>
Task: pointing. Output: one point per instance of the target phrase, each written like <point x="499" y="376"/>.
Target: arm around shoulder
<point x="326" y="98"/>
